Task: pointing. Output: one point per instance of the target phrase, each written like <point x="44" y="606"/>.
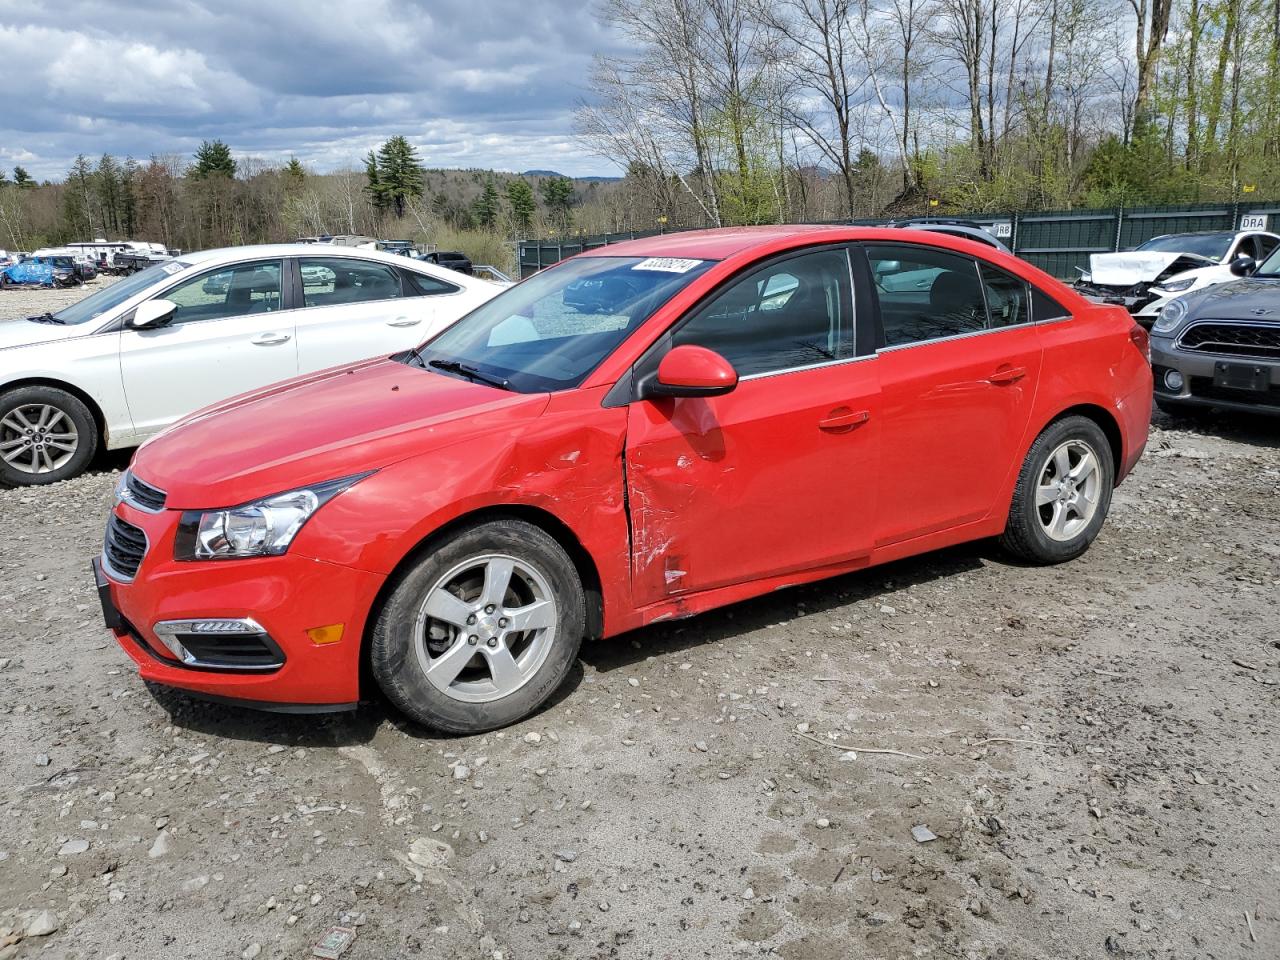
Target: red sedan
<point x="638" y="434"/>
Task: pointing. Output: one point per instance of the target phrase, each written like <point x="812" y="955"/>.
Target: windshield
<point x="553" y="329"/>
<point x="1211" y="245"/>
<point x="1269" y="267"/>
<point x="95" y="305"/>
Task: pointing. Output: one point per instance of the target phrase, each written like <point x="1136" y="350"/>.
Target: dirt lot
<point x="1095" y="748"/>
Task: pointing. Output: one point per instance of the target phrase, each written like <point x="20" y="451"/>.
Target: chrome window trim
<point x="959" y="336"/>
<point x="808" y="366"/>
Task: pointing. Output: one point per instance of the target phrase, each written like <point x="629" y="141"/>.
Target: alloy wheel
<point x="37" y="438"/>
<point x="1068" y="490"/>
<point x="485" y="628"/>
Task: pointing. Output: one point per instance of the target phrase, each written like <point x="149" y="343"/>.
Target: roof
<point x="209" y="258"/>
<point x="720" y="244"/>
<point x="288" y="250"/>
<point x="715" y="244"/>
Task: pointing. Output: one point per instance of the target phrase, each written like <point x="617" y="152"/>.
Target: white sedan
<point x="120" y="365"/>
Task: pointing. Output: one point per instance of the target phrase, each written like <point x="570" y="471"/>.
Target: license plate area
<point x="110" y="615"/>
<point x="1241" y="376"/>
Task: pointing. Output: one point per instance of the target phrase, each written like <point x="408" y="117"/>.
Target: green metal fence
<point x="1056" y="241"/>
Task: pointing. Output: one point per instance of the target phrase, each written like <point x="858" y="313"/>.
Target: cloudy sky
<point x="478" y="83"/>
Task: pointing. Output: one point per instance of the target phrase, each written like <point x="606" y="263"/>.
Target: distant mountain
<point x="554" y="173"/>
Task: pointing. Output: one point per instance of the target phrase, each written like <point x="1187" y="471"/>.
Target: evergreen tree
<point x="557" y="194"/>
<point x="78" y="200"/>
<point x="108" y="189"/>
<point x="22" y="179"/>
<point x="294" y="175"/>
<point x="213" y="159"/>
<point x="523" y="205"/>
<point x="486" y="208"/>
<point x="397" y="175"/>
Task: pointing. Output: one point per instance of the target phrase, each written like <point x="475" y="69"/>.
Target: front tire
<point x="480" y="631"/>
<point x="1063" y="493"/>
<point x="46" y="435"/>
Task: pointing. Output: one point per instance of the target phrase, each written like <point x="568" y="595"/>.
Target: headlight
<point x="263" y="528"/>
<point x="1171" y="315"/>
<point x="1177" y="286"/>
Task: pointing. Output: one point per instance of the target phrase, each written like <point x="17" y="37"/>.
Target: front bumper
<point x="1199" y="389"/>
<point x="284" y="596"/>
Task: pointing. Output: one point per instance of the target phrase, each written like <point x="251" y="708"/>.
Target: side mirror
<point x="1244" y="265"/>
<point x="152" y="314"/>
<point x="691" y="371"/>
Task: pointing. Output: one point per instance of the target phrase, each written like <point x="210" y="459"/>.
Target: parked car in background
<point x="128" y="262"/>
<point x="1164" y="268"/>
<point x="747" y="410"/>
<point x="966" y="229"/>
<point x="451" y="259"/>
<point x="43" y="270"/>
<point x="1220" y="347"/>
<point x="121" y="364"/>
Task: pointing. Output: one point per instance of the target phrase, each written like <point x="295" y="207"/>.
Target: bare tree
<point x="1151" y="29"/>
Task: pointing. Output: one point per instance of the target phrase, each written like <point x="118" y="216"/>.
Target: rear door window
<point x="1007" y="297"/>
<point x="926" y="294"/>
<point x="333" y="281"/>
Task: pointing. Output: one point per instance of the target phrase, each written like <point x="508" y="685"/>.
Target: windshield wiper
<point x="46" y="318"/>
<point x="455" y="366"/>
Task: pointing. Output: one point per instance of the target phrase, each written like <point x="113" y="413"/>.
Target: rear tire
<point x="46" y="435"/>
<point x="447" y="648"/>
<point x="1063" y="493"/>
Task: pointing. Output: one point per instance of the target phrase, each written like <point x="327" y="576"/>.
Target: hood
<point x="23" y="333"/>
<point x="1126" y="269"/>
<point x="321" y="427"/>
<point x="1250" y="299"/>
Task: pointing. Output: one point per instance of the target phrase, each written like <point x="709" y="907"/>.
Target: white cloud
<point x="492" y="83"/>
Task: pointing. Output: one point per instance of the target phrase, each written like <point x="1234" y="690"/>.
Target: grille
<point x="1233" y="339"/>
<point x="124" y="547"/>
<point x="143" y="495"/>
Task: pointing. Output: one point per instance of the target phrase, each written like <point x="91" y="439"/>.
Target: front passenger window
<point x="794" y="313"/>
<point x="234" y="292"/>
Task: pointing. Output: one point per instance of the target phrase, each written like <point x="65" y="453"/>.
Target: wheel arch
<point x="544" y="520"/>
<point x="1107" y="423"/>
<point x="95" y="411"/>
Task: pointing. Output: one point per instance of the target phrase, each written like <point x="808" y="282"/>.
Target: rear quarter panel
<point x="1091" y="359"/>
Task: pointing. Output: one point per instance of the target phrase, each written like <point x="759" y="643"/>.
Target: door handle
<point x="842" y="418"/>
<point x="1007" y="375"/>
<point x="270" y="339"/>
<point x="404" y="322"/>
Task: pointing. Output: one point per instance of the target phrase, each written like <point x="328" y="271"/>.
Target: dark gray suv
<point x="1220" y="347"/>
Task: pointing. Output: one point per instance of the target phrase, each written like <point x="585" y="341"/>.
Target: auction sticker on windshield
<point x="667" y="264"/>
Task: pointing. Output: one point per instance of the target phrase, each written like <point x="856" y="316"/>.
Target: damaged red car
<point x="637" y="434"/>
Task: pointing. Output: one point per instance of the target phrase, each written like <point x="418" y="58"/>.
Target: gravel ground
<point x="24" y="301"/>
<point x="1092" y="768"/>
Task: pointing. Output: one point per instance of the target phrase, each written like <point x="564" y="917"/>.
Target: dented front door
<point x="775" y="477"/>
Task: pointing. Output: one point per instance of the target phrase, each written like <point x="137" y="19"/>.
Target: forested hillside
<point x="755" y="111"/>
